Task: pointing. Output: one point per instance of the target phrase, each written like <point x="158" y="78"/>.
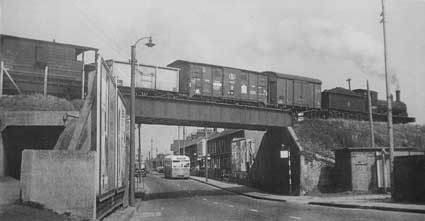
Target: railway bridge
<point x="186" y="112"/>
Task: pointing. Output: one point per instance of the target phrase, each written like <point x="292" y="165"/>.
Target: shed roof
<point x="78" y="47"/>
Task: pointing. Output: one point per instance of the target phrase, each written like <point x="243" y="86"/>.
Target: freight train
<point x="301" y="95"/>
<point x="28" y="61"/>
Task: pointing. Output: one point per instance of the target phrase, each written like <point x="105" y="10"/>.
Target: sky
<point x="331" y="40"/>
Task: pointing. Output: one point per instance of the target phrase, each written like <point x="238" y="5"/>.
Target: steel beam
<point x="168" y="111"/>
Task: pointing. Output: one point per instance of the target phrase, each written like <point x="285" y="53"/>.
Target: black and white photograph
<point x="192" y="110"/>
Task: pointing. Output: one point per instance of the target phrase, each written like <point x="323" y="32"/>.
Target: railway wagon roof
<point x="211" y="65"/>
<point x="295" y="77"/>
<point x="281" y="75"/>
<point x="343" y="91"/>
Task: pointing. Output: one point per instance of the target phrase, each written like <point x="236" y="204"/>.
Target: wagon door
<point x="317" y="96"/>
<point x="299" y="94"/>
<point x="262" y="89"/>
<point x="195" y="80"/>
<point x="290" y="92"/>
<point x="253" y="81"/>
<point x="309" y="95"/>
<point x="272" y="90"/>
<point x="217" y="82"/>
<point x="230" y="85"/>
<point x="244" y="85"/>
<point x="206" y="81"/>
<point x="282" y="98"/>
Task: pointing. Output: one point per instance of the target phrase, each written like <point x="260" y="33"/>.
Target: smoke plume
<point x="326" y="39"/>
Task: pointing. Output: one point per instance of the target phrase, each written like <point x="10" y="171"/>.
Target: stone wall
<point x="60" y="180"/>
<point x="316" y="174"/>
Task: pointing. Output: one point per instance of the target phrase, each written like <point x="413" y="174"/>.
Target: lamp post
<point x="132" y="116"/>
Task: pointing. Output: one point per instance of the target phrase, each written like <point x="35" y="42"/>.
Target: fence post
<point x="82" y="79"/>
<point x="1" y="78"/>
<point x="46" y="71"/>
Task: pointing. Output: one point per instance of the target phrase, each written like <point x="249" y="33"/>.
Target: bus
<point x="177" y="166"/>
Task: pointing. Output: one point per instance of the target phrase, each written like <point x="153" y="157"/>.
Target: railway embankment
<point x="323" y="171"/>
<point x="37" y="102"/>
<point x="325" y="136"/>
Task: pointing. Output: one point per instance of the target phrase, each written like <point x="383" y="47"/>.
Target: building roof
<point x="224" y="133"/>
<point x="214" y="136"/>
<point x="79" y="47"/>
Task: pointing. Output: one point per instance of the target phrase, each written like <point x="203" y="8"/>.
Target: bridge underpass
<point x="183" y="112"/>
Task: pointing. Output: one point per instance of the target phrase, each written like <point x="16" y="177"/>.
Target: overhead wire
<point x="118" y="50"/>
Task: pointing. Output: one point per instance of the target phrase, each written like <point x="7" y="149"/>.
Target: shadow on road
<point x="185" y="193"/>
<point x="196" y="193"/>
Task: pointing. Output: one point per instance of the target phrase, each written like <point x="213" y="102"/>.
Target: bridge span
<point x="186" y="112"/>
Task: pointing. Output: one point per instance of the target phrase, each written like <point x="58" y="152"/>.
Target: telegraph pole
<point x="184" y="138"/>
<point x="369" y="99"/>
<point x="151" y="152"/>
<point x="389" y="105"/>
<point x="140" y="151"/>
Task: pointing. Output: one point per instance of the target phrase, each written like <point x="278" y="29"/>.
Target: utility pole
<point x="206" y="154"/>
<point x="151" y="152"/>
<point x="389" y="105"/>
<point x="184" y="139"/>
<point x="178" y="138"/>
<point x="369" y="99"/>
<point x="140" y="151"/>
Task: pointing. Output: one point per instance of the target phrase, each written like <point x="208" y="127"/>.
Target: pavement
<point x="363" y="201"/>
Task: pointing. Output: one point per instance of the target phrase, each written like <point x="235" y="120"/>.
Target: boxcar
<point x="206" y="80"/>
<point x="147" y="77"/>
<point x="294" y="91"/>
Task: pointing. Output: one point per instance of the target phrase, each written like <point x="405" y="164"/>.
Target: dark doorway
<point x="18" y="138"/>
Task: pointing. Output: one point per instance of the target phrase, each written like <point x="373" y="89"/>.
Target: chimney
<point x="397" y="95"/>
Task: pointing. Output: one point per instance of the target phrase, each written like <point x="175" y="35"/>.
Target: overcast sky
<point x="329" y="39"/>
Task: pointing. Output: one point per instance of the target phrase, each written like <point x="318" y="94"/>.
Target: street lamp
<point x="132" y="115"/>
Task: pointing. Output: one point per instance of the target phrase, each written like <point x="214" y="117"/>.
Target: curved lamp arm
<point x="149" y="44"/>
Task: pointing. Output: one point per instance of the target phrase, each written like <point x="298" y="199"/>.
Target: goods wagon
<point x="298" y="92"/>
<point x="222" y="83"/>
<point x="148" y="78"/>
<point x="342" y="99"/>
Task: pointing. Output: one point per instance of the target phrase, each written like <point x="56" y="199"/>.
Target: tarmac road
<point x="176" y="199"/>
